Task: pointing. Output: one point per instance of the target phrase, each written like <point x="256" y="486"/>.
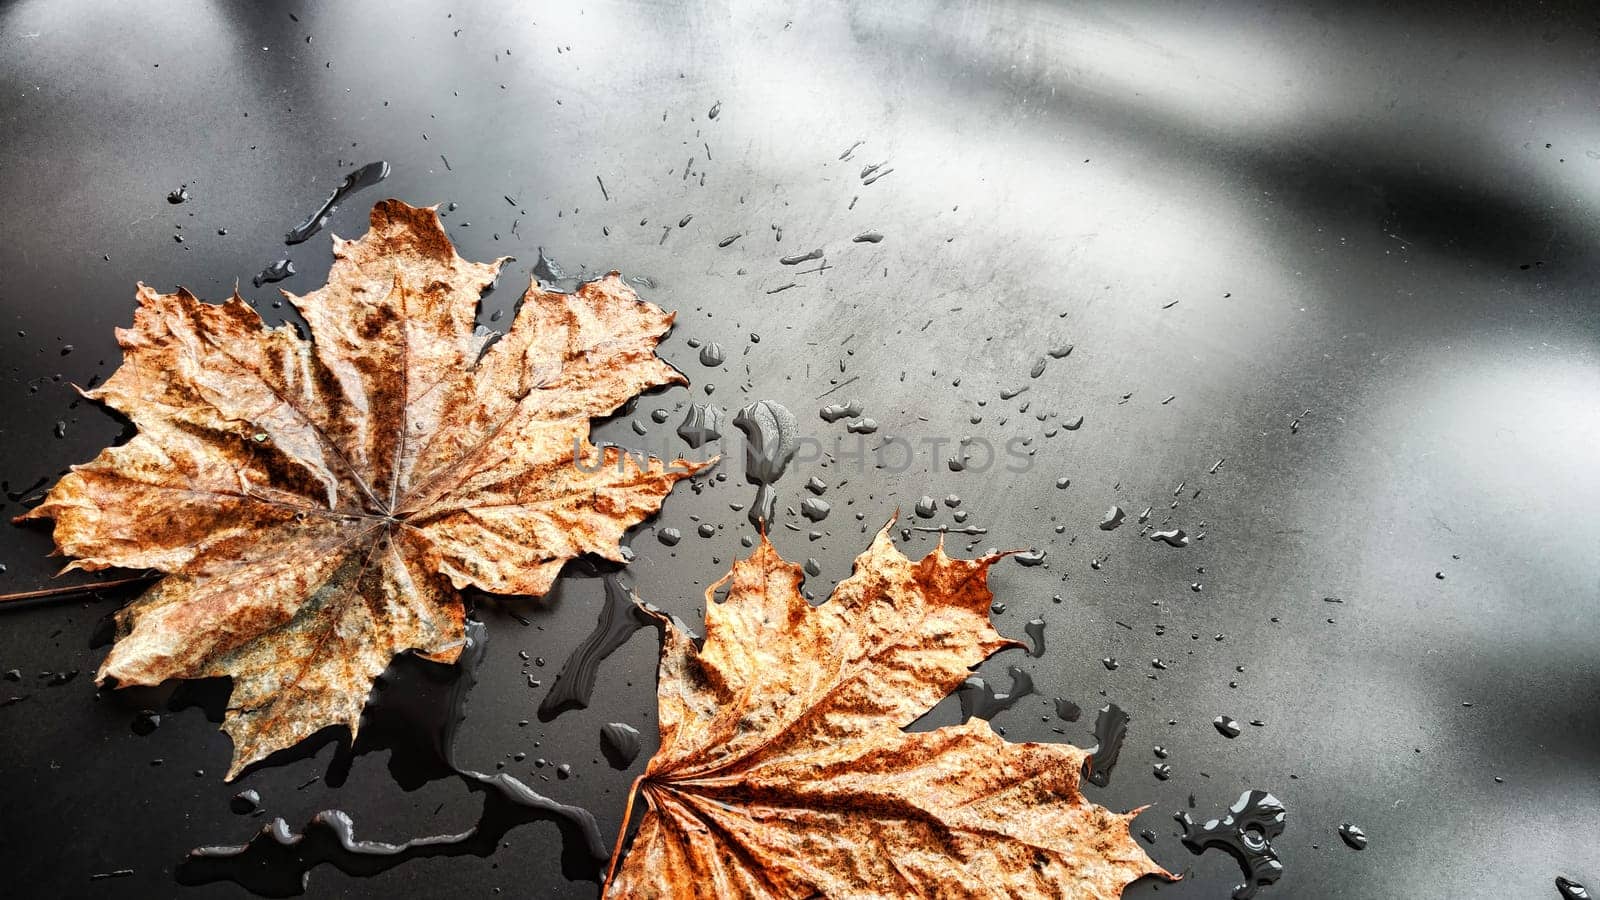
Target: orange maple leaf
<point x="316" y="504"/>
<point x="784" y="771"/>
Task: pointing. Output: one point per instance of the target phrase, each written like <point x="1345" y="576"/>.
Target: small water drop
<point x="702" y="423"/>
<point x="146" y="721"/>
<point x="1173" y="538"/>
<point x="771" y="439"/>
<point x="1110" y="730"/>
<point x="815" y="509"/>
<point x="620" y="743"/>
<point x="862" y="426"/>
<point x="833" y="412"/>
<point x="1035" y="630"/>
<point x="799" y="258"/>
<point x="278" y="271"/>
<point x="245" y="802"/>
<point x="1033" y="557"/>
<point x="712" y="355"/>
<point x="1571" y="890"/>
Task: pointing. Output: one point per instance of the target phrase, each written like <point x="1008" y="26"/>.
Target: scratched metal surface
<point x="1375" y="219"/>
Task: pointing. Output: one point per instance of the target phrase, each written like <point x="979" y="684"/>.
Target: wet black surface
<point x="1350" y="250"/>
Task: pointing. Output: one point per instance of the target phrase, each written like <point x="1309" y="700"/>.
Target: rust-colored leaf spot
<point x="317" y="503"/>
<point x="784" y="772"/>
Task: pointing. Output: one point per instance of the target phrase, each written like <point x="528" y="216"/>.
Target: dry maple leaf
<point x="317" y="504"/>
<point x="784" y="772"/>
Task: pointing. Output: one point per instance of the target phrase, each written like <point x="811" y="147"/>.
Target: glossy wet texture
<point x="1377" y="223"/>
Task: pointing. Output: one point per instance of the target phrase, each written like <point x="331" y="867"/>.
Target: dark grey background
<point x="1376" y="216"/>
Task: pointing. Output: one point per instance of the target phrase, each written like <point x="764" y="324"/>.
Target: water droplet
<point x="926" y="507"/>
<point x="1174" y="538"/>
<point x="1226" y="726"/>
<point x="712" y="355"/>
<point x="547" y="271"/>
<point x="815" y="509"/>
<point x="833" y="412"/>
<point x="862" y="426"/>
<point x="771" y="439"/>
<point x="620" y="616"/>
<point x="1246" y="833"/>
<point x="868" y="237"/>
<point x="364" y="177"/>
<point x="245" y="802"/>
<point x="1033" y="557"/>
<point x="1067" y="711"/>
<point x="1112" y="519"/>
<point x="799" y="258"/>
<point x="278" y="271"/>
<point x="702" y="423"/>
<point x="620" y="743"/>
<point x="1354" y="837"/>
<point x="1035" y="630"/>
<point x="979" y="700"/>
<point x="1110" y="729"/>
<point x="146" y="721"/>
<point x="1571" y="890"/>
<point x="669" y="536"/>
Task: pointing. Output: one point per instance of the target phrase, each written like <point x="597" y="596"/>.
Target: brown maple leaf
<point x="783" y="770"/>
<point x="317" y="504"/>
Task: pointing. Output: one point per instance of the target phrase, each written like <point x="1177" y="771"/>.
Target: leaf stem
<point x="71" y="590"/>
<point x="622" y="835"/>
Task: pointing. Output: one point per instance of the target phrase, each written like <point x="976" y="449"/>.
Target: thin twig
<point x="74" y="589"/>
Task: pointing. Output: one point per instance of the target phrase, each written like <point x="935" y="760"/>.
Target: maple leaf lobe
<point x="316" y="504"/>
